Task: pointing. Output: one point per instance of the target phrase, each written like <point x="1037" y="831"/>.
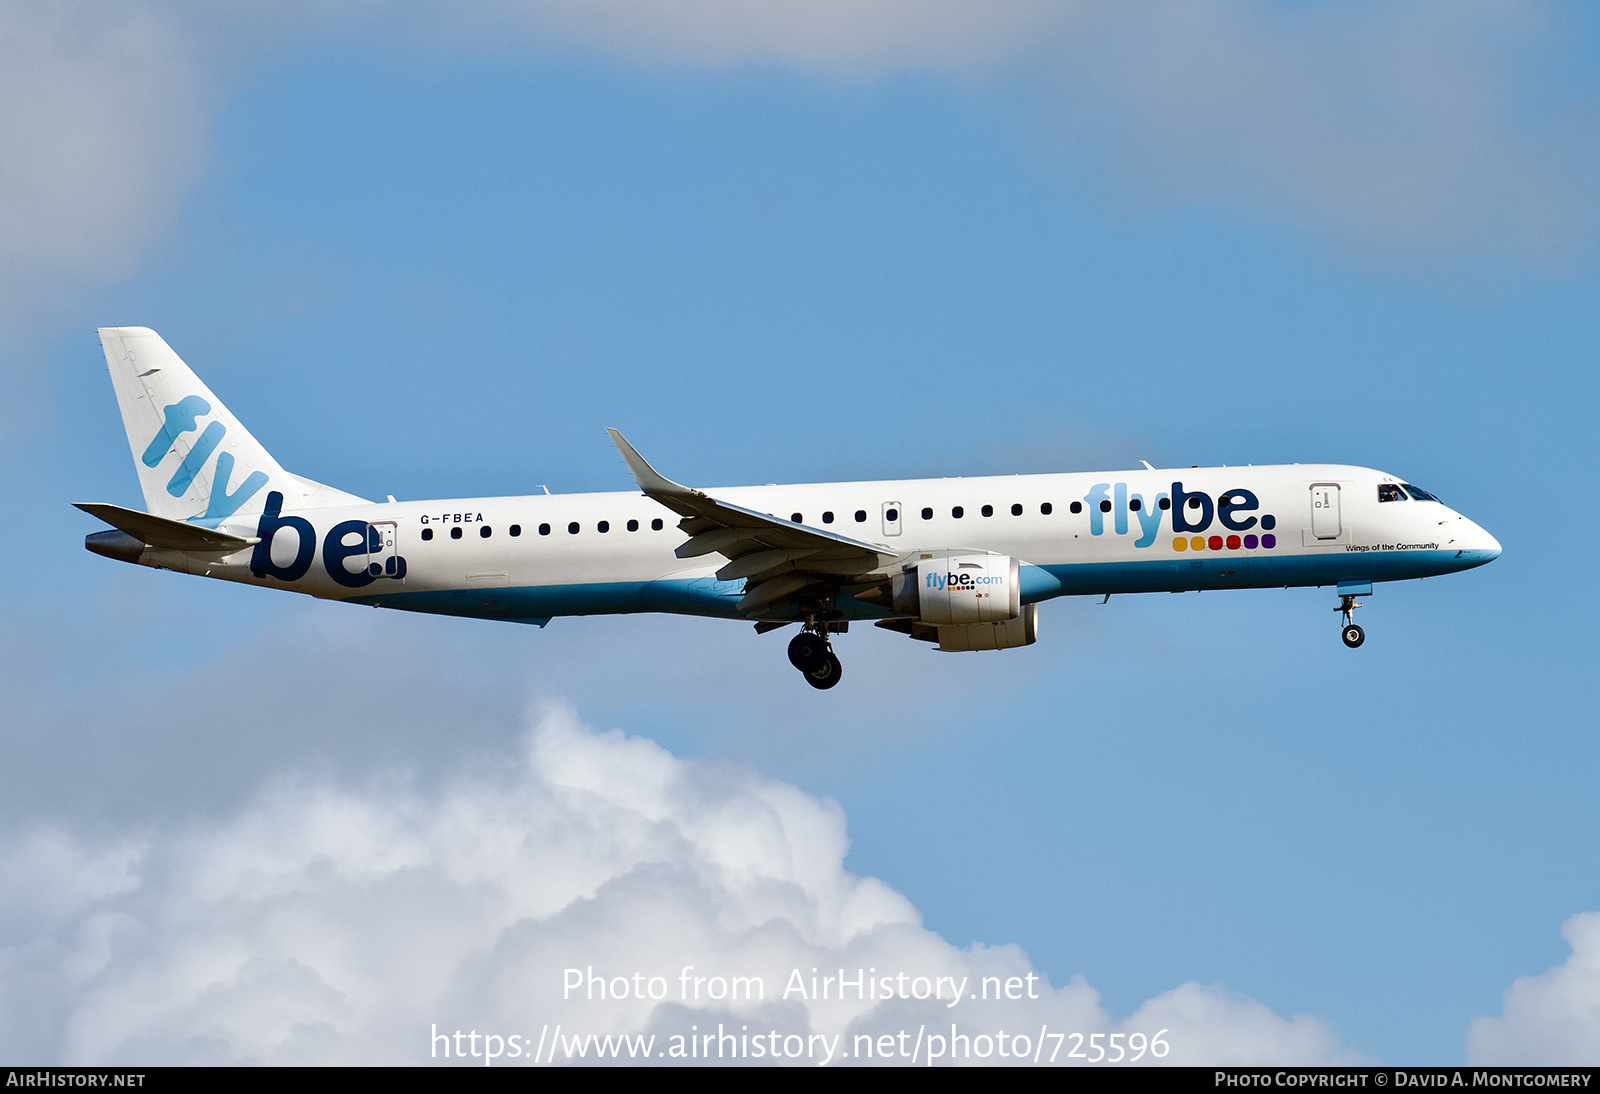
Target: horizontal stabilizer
<point x="157" y="531"/>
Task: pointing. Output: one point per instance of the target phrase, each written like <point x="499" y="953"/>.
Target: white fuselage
<point x="537" y="556"/>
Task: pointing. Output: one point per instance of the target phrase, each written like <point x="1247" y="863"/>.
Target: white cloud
<point x="1552" y="1019"/>
<point x="103" y="114"/>
<point x="331" y="924"/>
<point x="1423" y="133"/>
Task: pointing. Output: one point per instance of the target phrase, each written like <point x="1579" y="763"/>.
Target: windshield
<point x="1420" y="495"/>
<point x="1388" y="491"/>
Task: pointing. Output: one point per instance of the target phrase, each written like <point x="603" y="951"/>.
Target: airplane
<point x="961" y="563"/>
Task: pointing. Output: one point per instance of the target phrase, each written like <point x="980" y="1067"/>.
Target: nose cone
<point x="1476" y="545"/>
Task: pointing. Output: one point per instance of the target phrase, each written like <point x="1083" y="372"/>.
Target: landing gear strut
<point x="1352" y="634"/>
<point x="810" y="652"/>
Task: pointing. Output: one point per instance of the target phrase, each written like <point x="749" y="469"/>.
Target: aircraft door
<point x="891" y="518"/>
<point x="383" y="558"/>
<point x="1325" y="519"/>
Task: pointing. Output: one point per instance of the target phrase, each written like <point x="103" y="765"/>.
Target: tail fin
<point x="196" y="462"/>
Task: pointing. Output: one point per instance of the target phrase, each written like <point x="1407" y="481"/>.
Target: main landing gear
<point x="1352" y="634"/>
<point x="810" y="652"/>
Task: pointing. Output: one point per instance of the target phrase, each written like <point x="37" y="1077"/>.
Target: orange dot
<point x="1180" y="544"/>
<point x="1198" y="543"/>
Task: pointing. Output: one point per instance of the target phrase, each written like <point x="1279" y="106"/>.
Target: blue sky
<point x="434" y="263"/>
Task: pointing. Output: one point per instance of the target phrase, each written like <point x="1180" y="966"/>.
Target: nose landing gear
<point x="1352" y="634"/>
<point x="810" y="652"/>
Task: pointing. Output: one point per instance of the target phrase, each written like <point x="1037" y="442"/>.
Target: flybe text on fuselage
<point x="1191" y="512"/>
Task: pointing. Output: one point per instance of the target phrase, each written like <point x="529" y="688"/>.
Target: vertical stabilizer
<point x="196" y="462"/>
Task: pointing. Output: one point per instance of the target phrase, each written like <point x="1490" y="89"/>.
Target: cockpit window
<point x="1420" y="495"/>
<point x="1388" y="491"/>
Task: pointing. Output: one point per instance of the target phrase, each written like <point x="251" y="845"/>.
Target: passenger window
<point x="455" y="533"/>
<point x="516" y="530"/>
<point x="927" y="514"/>
<point x="827" y="518"/>
<point x="572" y="529"/>
<point x="1016" y="510"/>
<point x="544" y="529"/>
<point x="485" y="532"/>
<point x="633" y="526"/>
<point x="1105" y="507"/>
<point x="796" y="518"/>
<point x="655" y="525"/>
<point x="1134" y="504"/>
<point x="1164" y="503"/>
<point x="1388" y="491"/>
<point x="861" y="516"/>
<point x="427" y="533"/>
<point x="891" y="515"/>
<point x="603" y="526"/>
<point x="1045" y="508"/>
<point x="1077" y="507"/>
<point x="987" y="510"/>
<point x="957" y="512"/>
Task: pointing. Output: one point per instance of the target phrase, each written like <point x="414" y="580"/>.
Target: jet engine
<point x="966" y="602"/>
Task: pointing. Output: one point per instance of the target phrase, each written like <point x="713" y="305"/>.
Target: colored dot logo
<point x="1217" y="543"/>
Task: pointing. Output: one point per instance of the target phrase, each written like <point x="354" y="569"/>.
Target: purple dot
<point x="1269" y="541"/>
<point x="1250" y="543"/>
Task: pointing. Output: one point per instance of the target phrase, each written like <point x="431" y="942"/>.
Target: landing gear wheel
<point x="1354" y="636"/>
<point x="808" y="652"/>
<point x="827" y="674"/>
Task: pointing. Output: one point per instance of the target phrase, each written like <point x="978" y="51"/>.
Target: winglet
<point x="649" y="479"/>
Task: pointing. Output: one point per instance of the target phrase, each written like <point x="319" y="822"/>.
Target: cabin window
<point x="927" y="514"/>
<point x="544" y="529"/>
<point x="861" y="516"/>
<point x="1134" y="504"/>
<point x="633" y="526"/>
<point x="796" y="518"/>
<point x="957" y="512"/>
<point x="1388" y="491"/>
<point x="572" y="529"/>
<point x="827" y="517"/>
<point x="1105" y="507"/>
<point x="485" y="532"/>
<point x="655" y="525"/>
<point x="1016" y="510"/>
<point x="455" y="533"/>
<point x="891" y="515"/>
<point x="515" y="530"/>
<point x="427" y="533"/>
<point x="603" y="526"/>
<point x="1077" y="507"/>
<point x="987" y="510"/>
<point x="1164" y="503"/>
<point x="1045" y="508"/>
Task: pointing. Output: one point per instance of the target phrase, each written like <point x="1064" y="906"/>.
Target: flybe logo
<point x="1236" y="511"/>
<point x="962" y="582"/>
<point x="183" y="417"/>
<point x="347" y="541"/>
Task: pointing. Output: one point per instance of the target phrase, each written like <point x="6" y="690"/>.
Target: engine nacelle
<point x="960" y="590"/>
<point x="1021" y="631"/>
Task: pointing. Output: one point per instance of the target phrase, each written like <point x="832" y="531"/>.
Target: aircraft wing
<point x="781" y="561"/>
